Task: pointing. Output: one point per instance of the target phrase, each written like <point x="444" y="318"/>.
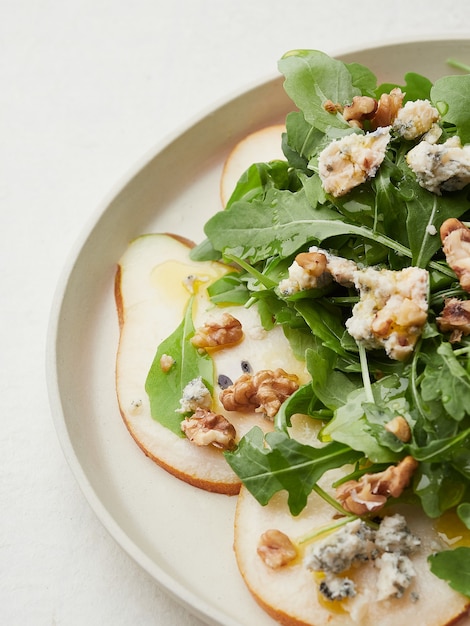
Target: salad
<point x="357" y="245"/>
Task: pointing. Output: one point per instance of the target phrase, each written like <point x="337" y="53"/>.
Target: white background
<point x="87" y="87"/>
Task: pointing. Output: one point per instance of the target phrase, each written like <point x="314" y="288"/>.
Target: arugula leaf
<point x="439" y="488"/>
<point x="164" y="388"/>
<point x="463" y="511"/>
<point x="330" y="386"/>
<point x="301" y="401"/>
<point x="280" y="225"/>
<point x="453" y="566"/>
<point x="351" y="427"/>
<point x="416" y="87"/>
<point x="274" y="462"/>
<point x="363" y="78"/>
<point x="450" y="95"/>
<point x="445" y="379"/>
<point x="311" y="78"/>
<point x="259" y="177"/>
<point x="204" y="251"/>
<point x="324" y="321"/>
<point x="426" y="214"/>
<point x="229" y="289"/>
<point x="301" y="141"/>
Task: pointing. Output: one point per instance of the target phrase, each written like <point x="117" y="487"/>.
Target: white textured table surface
<point x="86" y="88"/>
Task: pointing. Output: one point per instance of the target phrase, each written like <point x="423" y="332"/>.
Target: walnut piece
<point x="399" y="427"/>
<point x="166" y="362"/>
<point x="217" y="333"/>
<point x="387" y="108"/>
<point x="263" y="392"/>
<point x="276" y="549"/>
<point x="455" y="318"/>
<point x="206" y="428"/>
<point x="455" y="237"/>
<point x="332" y="107"/>
<point x="361" y="108"/>
<point x="314" y="263"/>
<point x="371" y="491"/>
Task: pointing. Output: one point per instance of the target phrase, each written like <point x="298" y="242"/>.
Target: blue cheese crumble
<point x="195" y="395"/>
<point x="416" y="118"/>
<point x="348" y="162"/>
<point x="393" y="535"/>
<point x="337" y="588"/>
<point x="353" y="543"/>
<point x="302" y="276"/>
<point x="440" y="166"/>
<point x="388" y="548"/>
<point x="392" y="309"/>
<point x="396" y="573"/>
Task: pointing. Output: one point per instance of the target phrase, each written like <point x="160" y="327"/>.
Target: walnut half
<point x="218" y="333"/>
<point x="371" y="491"/>
<point x="206" y="428"/>
<point x="361" y="108"/>
<point x="455" y="237"/>
<point x="276" y="549"/>
<point x="263" y="392"/>
<point x="455" y="318"/>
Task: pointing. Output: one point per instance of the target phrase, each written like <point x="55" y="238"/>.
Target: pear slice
<point x="151" y="290"/>
<point x="290" y="594"/>
<point x="261" y="146"/>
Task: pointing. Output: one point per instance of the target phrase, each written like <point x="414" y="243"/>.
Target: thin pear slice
<point x="151" y="295"/>
<point x="290" y="594"/>
<point x="261" y="146"/>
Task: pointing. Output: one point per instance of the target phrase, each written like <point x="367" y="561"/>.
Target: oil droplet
<point x="181" y="280"/>
<point x="333" y="606"/>
<point x="169" y="277"/>
<point x="452" y="530"/>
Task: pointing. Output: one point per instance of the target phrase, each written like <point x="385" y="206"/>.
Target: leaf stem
<point x="458" y="65"/>
<point x="461" y="351"/>
<point x="264" y="280"/>
<point x="365" y="373"/>
<point x="326" y="496"/>
<point x="325" y="529"/>
<point x="414" y="382"/>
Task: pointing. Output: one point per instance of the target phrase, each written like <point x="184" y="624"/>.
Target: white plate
<point x="180" y="535"/>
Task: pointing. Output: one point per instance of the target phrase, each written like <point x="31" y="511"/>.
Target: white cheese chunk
<point x="195" y="395"/>
<point x="392" y="309"/>
<point x="337" y="587"/>
<point x="415" y="118"/>
<point x="387" y="550"/>
<point x="337" y="268"/>
<point x="396" y="573"/>
<point x="348" y="162"/>
<point x="337" y="552"/>
<point x="393" y="535"/>
<point x="440" y="167"/>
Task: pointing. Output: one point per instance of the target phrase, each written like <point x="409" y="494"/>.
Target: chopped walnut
<point x="276" y="549"/>
<point x="387" y="108"/>
<point x="455" y="318"/>
<point x="314" y="263"/>
<point x="361" y="108"/>
<point x="227" y="331"/>
<point x="264" y="392"/>
<point x="455" y="237"/>
<point x="371" y="491"/>
<point x="206" y="428"/>
<point x="166" y="362"/>
<point x="399" y="427"/>
<point x="332" y="107"/>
